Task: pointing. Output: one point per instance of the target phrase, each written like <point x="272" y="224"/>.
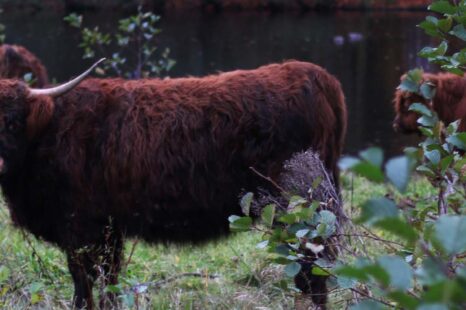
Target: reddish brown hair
<point x="164" y="160"/>
<point x="16" y="61"/>
<point x="449" y="102"/>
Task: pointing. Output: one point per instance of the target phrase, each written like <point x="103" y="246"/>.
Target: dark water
<point x="367" y="51"/>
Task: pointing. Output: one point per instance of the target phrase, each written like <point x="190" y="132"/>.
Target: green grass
<point x="235" y="275"/>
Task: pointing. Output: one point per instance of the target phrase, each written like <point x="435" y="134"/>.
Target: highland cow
<point x="83" y="166"/>
<point x="16" y="61"/>
<point x="449" y="102"/>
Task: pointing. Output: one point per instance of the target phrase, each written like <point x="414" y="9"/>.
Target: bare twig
<point x="281" y="189"/>
<point x="373" y="237"/>
<point x="36" y="255"/>
<point x="133" y="247"/>
<point x="371" y="297"/>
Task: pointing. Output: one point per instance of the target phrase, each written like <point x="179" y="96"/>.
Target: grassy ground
<point x="232" y="272"/>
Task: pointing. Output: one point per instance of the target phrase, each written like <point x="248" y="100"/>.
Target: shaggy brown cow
<point x="16" y="61"/>
<point x="164" y="160"/>
<point x="449" y="102"/>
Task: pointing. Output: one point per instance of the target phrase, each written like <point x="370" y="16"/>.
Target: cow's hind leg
<point x="312" y="285"/>
<point x="82" y="268"/>
<point x="111" y="265"/>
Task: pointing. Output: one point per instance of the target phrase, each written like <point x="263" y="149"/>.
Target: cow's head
<point x="405" y="120"/>
<point x="24" y="113"/>
<point x="16" y="62"/>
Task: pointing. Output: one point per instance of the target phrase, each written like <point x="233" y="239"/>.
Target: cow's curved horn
<point x="63" y="88"/>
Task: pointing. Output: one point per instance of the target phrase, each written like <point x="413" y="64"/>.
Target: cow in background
<point x="449" y="102"/>
<point x="16" y="61"/>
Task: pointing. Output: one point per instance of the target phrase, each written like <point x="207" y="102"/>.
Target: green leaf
<point x="403" y="300"/>
<point x="432" y="307"/>
<point x="263" y="244"/>
<point x="430" y="26"/>
<point x="459" y="31"/>
<point x="452" y="69"/>
<point x="409" y="86"/>
<point x="74" y="20"/>
<point x="443" y="7"/>
<point x="443" y="292"/>
<point x="445" y="24"/>
<point x="369" y="171"/>
<point x="319" y="271"/>
<point x="377" y="209"/>
<point x="433" y="156"/>
<point x="327" y="223"/>
<point x="427" y="91"/>
<point x="282" y="249"/>
<point x="302" y="233"/>
<point x="450" y="231"/>
<point x="400" y="273"/>
<point x="35" y="287"/>
<point x="420" y="108"/>
<point x="367" y="305"/>
<point x="415" y="75"/>
<point x="458" y="140"/>
<point x="317" y="181"/>
<point x="398" y="227"/>
<point x="113" y="289"/>
<point x="453" y="127"/>
<point x="128" y="300"/>
<point x="351" y="272"/>
<point x="348" y="162"/>
<point x="433" y="52"/>
<point x="445" y="162"/>
<point x="296" y="201"/>
<point x="398" y="171"/>
<point x="288" y="218"/>
<point x="427" y="121"/>
<point x="292" y="269"/>
<point x="268" y="214"/>
<point x="238" y="224"/>
<point x="430" y="272"/>
<point x="345" y="283"/>
<point x="245" y="203"/>
<point x="4" y="274"/>
<point x="426" y="131"/>
<point x="373" y="155"/>
<point x="36" y="298"/>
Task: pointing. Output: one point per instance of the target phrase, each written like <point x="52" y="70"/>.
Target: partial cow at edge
<point x="163" y="160"/>
<point x="16" y="61"/>
<point x="449" y="102"/>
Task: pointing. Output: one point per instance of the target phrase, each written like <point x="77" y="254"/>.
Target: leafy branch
<point x="137" y="54"/>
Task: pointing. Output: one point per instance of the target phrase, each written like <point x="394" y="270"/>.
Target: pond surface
<point x="368" y="52"/>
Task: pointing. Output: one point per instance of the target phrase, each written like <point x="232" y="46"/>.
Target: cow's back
<point x="168" y="158"/>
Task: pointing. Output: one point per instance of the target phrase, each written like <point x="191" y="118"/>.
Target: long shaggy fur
<point x="449" y="102"/>
<point x="163" y="160"/>
<point x="16" y="61"/>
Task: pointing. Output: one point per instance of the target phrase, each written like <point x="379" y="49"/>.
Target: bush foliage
<point x="136" y="56"/>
